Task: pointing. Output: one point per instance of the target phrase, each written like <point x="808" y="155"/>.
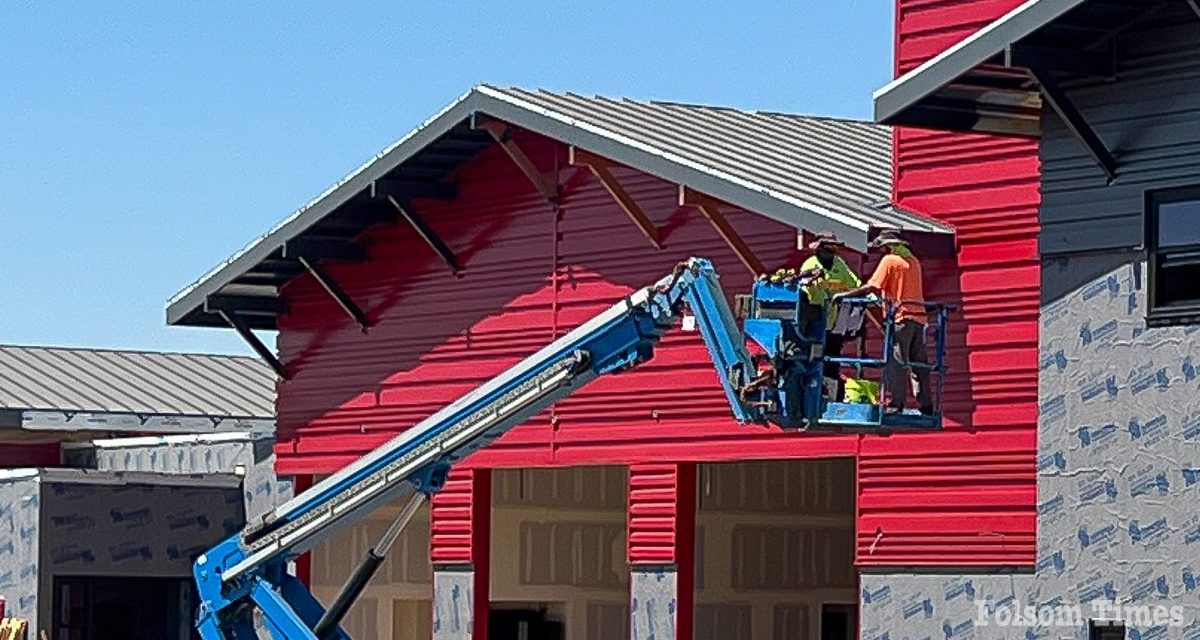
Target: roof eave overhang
<point x="49" y="420"/>
<point x="120" y="478"/>
<point x="189" y="307"/>
<point x="974" y="85"/>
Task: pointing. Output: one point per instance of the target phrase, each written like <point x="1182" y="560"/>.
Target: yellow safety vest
<point x="837" y="278"/>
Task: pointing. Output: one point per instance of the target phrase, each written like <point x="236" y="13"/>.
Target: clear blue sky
<point x="141" y="146"/>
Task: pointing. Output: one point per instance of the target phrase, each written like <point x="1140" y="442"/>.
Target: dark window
<point x="839" y="621"/>
<point x="1106" y="630"/>
<point x="1173" y="246"/>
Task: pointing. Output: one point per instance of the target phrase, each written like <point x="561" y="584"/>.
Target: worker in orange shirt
<point x="898" y="280"/>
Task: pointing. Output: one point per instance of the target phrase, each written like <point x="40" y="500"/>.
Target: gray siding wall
<point x="127" y="530"/>
<point x="1149" y="119"/>
<point x="1119" y="418"/>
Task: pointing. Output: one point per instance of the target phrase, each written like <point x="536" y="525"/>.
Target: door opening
<point x="523" y="624"/>
<point x="97" y="608"/>
<point x="775" y="550"/>
<point x="839" y="621"/>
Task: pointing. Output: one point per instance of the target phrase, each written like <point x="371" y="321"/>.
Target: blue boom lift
<point x="245" y="576"/>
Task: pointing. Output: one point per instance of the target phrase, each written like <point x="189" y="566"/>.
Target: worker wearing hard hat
<point x="898" y="280"/>
<point x="837" y="276"/>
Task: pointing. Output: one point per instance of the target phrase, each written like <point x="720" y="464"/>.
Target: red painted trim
<point x="481" y="542"/>
<point x="685" y="551"/>
<point x="460" y="518"/>
<point x="301" y="483"/>
<point x="30" y="455"/>
<point x="460" y="533"/>
<point x="661" y="529"/>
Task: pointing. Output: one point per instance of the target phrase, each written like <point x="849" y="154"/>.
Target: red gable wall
<point x="529" y="278"/>
<point x="531" y="275"/>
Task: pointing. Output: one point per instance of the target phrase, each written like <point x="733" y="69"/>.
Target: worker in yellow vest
<point x="837" y="277"/>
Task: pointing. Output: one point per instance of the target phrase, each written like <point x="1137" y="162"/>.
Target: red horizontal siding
<point x="459" y="518"/>
<point x="661" y="527"/>
<point x="966" y="496"/>
<point x="925" y="28"/>
<point x="434" y="336"/>
<point x="530" y="275"/>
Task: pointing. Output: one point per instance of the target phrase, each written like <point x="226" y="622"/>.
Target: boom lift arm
<point x="248" y="571"/>
<point x="245" y="577"/>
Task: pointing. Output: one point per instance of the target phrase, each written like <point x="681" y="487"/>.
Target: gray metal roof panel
<point x="812" y="173"/>
<point x="141" y="382"/>
<point x="902" y="93"/>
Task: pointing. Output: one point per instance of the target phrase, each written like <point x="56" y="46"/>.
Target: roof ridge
<point x="126" y="351"/>
<point x="809" y="116"/>
<point x="683" y="103"/>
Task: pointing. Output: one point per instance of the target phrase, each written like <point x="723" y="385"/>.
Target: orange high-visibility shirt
<point x="899" y="279"/>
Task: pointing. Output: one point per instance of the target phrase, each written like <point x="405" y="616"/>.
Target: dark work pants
<point x="835" y="343"/>
<point x="908" y="345"/>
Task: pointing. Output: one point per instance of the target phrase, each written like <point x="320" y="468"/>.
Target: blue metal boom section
<point x="726" y="344"/>
<point x="248" y="570"/>
<point x="786" y="390"/>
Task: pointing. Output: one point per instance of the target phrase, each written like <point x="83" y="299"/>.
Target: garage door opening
<point x="775" y="550"/>
<point x="559" y="567"/>
<point x="100" y="608"/>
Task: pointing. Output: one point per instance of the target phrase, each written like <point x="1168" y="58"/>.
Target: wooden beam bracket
<point x="427" y="234"/>
<point x="335" y="291"/>
<point x="711" y="210"/>
<point x="600" y="168"/>
<point x="502" y="134"/>
<point x="1057" y="98"/>
<point x="230" y="316"/>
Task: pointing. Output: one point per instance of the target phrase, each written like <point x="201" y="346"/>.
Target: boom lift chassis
<point x="243" y="581"/>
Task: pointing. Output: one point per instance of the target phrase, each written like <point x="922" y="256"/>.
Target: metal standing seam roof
<point x="810" y="172"/>
<point x="65" y="387"/>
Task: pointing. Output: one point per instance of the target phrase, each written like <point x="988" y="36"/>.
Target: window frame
<point x="1158" y="315"/>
